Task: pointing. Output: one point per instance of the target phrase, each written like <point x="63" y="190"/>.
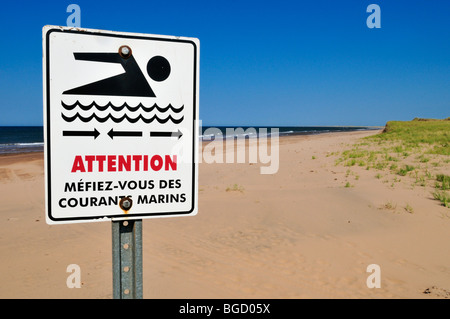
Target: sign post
<point x="120" y="128"/>
<point x="127" y="259"/>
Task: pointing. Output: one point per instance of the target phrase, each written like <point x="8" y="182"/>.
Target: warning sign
<point x="120" y="121"/>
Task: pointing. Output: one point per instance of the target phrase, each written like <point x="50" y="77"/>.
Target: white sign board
<point x="120" y="120"/>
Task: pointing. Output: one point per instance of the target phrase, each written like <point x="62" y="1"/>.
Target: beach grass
<point x="433" y="136"/>
<point x="235" y="188"/>
<point x="443" y="182"/>
<point x="409" y="209"/>
<point x="414" y="149"/>
<point x="443" y="197"/>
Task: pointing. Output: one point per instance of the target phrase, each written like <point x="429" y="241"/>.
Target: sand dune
<point x="299" y="233"/>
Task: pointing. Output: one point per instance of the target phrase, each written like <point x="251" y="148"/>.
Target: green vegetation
<point x="235" y="188"/>
<point x="413" y="149"/>
<point x="444" y="181"/>
<point x="389" y="205"/>
<point x="434" y="135"/>
<point x="443" y="197"/>
<point x="403" y="171"/>
<point x="409" y="209"/>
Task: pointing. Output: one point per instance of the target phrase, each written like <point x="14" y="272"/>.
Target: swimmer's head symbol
<point x="158" y="68"/>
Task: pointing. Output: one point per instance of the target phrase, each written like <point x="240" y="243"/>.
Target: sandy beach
<point x="299" y="233"/>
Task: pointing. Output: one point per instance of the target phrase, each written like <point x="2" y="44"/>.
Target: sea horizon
<point x="30" y="138"/>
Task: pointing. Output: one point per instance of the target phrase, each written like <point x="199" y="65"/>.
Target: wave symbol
<point x="121" y="107"/>
<point x="122" y="118"/>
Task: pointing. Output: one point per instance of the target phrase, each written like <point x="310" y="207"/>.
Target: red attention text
<point x="123" y="163"/>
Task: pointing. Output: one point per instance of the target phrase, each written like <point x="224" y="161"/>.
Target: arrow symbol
<point x="93" y="133"/>
<point x="166" y="134"/>
<point x="113" y="133"/>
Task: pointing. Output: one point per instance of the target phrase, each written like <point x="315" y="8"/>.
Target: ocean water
<point x="24" y="139"/>
<point x="21" y="139"/>
<point x="220" y="132"/>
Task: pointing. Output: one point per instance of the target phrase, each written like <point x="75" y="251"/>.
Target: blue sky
<point x="275" y="63"/>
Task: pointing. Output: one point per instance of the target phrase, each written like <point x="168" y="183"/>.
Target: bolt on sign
<point x="120" y="121"/>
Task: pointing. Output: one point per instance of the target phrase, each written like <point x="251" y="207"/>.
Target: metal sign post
<point x="127" y="259"/>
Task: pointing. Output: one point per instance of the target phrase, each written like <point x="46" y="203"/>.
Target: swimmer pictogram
<point x="130" y="83"/>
